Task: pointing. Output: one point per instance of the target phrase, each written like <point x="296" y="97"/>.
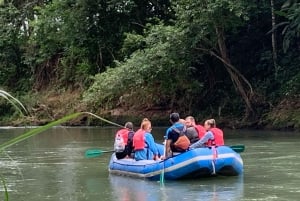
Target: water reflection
<point x="212" y="189"/>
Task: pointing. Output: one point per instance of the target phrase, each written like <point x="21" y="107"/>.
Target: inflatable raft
<point x="196" y="163"/>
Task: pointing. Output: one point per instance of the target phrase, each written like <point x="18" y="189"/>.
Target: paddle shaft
<point x="162" y="174"/>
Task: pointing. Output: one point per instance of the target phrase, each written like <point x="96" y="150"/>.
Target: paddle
<point x="238" y="148"/>
<point x="92" y="153"/>
<point x="162" y="173"/>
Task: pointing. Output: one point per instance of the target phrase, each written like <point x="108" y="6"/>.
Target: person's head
<point x="190" y="121"/>
<point x="174" y="117"/>
<point x="129" y="125"/>
<point x="146" y="125"/>
<point x="210" y="123"/>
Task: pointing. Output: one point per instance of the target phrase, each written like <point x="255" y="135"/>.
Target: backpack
<point x="119" y="145"/>
<point x="183" y="141"/>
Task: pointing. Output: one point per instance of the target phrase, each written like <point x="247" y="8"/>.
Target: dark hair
<point x="174" y="117"/>
<point x="129" y="125"/>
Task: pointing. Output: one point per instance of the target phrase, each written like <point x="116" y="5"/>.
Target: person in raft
<point x="176" y="140"/>
<point x="143" y="143"/>
<point x="123" y="141"/>
<point x="194" y="131"/>
<point x="213" y="136"/>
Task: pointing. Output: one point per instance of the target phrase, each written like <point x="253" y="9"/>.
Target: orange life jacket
<point x="123" y="133"/>
<point x="139" y="140"/>
<point x="218" y="135"/>
<point x="201" y="130"/>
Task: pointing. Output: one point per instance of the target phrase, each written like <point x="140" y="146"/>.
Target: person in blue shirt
<point x="143" y="142"/>
<point x="176" y="140"/>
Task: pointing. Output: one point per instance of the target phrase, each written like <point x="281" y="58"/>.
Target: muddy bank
<point x="44" y="108"/>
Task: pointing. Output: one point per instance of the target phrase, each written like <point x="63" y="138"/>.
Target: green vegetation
<point x="234" y="60"/>
<point x="20" y="108"/>
<point x="6" y="196"/>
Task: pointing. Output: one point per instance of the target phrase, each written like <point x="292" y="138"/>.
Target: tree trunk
<point x="274" y="46"/>
<point x="233" y="72"/>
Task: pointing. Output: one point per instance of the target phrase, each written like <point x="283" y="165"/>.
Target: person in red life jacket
<point x="191" y="123"/>
<point x="191" y="131"/>
<point x="143" y="143"/>
<point x="213" y="136"/>
<point x="123" y="141"/>
<point x="176" y="140"/>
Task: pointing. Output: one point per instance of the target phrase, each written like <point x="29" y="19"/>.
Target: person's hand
<point x="156" y="157"/>
<point x="162" y="158"/>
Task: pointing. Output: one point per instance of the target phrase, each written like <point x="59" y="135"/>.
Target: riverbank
<point x="49" y="106"/>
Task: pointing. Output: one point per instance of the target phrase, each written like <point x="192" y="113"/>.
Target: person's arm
<point x="168" y="141"/>
<point x="151" y="144"/>
<point x="207" y="136"/>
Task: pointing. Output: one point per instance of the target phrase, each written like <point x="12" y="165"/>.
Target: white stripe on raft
<point x="179" y="165"/>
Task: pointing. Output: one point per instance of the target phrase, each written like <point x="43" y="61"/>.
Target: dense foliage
<point x="221" y="58"/>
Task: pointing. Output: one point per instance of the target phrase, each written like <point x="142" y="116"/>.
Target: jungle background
<point x="236" y="61"/>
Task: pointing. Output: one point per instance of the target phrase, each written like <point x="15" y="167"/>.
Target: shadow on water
<point x="212" y="189"/>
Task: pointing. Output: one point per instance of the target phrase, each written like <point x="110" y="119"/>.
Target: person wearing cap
<point x="123" y="141"/>
<point x="213" y="136"/>
<point x="176" y="140"/>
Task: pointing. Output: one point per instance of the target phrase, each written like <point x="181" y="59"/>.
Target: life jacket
<point x="139" y="140"/>
<point x="201" y="130"/>
<point x="218" y="135"/>
<point x="121" y="140"/>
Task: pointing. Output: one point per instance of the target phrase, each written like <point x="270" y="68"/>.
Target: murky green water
<point x="51" y="166"/>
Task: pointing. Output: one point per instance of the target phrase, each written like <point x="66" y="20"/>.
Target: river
<point x="52" y="166"/>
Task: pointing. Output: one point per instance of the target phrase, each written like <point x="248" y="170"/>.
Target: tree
<point x="155" y="77"/>
<point x="291" y="11"/>
<point x="209" y="21"/>
<point x="13" y="72"/>
<point x="74" y="39"/>
<point x="274" y="42"/>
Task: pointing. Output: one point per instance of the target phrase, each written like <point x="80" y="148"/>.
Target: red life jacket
<point x="201" y="130"/>
<point x="123" y="133"/>
<point x="218" y="135"/>
<point x="139" y="140"/>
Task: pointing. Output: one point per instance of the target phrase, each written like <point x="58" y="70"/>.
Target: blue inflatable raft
<point x="196" y="163"/>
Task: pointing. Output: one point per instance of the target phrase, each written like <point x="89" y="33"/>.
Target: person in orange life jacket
<point x="143" y="143"/>
<point x="176" y="140"/>
<point x="213" y="136"/>
<point x="126" y="136"/>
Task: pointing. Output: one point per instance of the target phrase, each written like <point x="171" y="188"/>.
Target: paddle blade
<point x="92" y="153"/>
<point x="238" y="148"/>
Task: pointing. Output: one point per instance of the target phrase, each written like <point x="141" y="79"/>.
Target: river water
<point x="52" y="166"/>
